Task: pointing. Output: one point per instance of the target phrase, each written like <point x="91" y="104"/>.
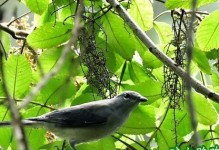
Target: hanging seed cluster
<point x="173" y="86"/>
<point x="97" y="75"/>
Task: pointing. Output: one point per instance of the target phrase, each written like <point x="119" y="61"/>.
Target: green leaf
<point x="201" y="60"/>
<point x="152" y="92"/>
<point x="47" y="16"/>
<point x="37" y="6"/>
<point x="5" y="133"/>
<point x="208" y="31"/>
<point x="137" y="73"/>
<point x="5" y="137"/>
<point x="118" y="36"/>
<point x="49" y="35"/>
<point x="142" y="13"/>
<point x="48" y="59"/>
<point x="164" y="32"/>
<point x="84" y="94"/>
<point x="201" y="104"/>
<point x="163" y="141"/>
<point x="213" y="54"/>
<point x="148" y="59"/>
<point x="182" y="123"/>
<point x="186" y="4"/>
<point x="6" y="42"/>
<point x="56" y="91"/>
<point x="103" y="144"/>
<point x="215" y="79"/>
<point x="18" y="75"/>
<point x="141" y="121"/>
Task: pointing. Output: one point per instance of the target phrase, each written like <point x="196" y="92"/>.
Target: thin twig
<point x="3" y="49"/>
<point x="32" y="102"/>
<point x="18" y="18"/>
<point x="3" y="3"/>
<point x="59" y="64"/>
<point x="167" y="11"/>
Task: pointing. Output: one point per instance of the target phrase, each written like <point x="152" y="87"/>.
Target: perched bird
<point x="89" y="121"/>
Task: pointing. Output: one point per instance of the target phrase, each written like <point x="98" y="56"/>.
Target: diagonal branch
<point x="15" y="33"/>
<point x="160" y="55"/>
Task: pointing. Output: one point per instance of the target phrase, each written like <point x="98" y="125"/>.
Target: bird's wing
<point x="77" y="116"/>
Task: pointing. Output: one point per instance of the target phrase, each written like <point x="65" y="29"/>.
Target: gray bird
<point x="89" y="121"/>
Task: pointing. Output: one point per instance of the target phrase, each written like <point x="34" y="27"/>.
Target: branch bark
<point x="160" y="55"/>
<point x="15" y="33"/>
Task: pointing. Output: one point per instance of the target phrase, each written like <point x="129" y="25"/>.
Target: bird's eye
<point x="127" y="95"/>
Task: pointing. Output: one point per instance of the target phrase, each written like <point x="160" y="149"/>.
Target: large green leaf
<point x="37" y="6"/>
<point x="5" y="133"/>
<point x="186" y="4"/>
<point x="103" y="144"/>
<point x="164" y="32"/>
<point x="215" y="79"/>
<point x="56" y="91"/>
<point x="49" y="35"/>
<point x="48" y="59"/>
<point x="201" y="60"/>
<point x="6" y="42"/>
<point x="18" y="75"/>
<point x="208" y="31"/>
<point x="165" y="139"/>
<point x="201" y="104"/>
<point x="178" y="120"/>
<point x="137" y="72"/>
<point x="118" y="36"/>
<point x="84" y="94"/>
<point x="150" y="89"/>
<point x="142" y="12"/>
<point x="141" y="121"/>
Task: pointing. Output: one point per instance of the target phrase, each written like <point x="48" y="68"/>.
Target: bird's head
<point x="132" y="97"/>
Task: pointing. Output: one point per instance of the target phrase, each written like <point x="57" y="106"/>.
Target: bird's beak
<point x="143" y="99"/>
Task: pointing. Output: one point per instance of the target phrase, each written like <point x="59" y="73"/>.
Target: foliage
<point x="108" y="58"/>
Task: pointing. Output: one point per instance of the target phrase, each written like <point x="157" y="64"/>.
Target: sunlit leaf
<point x="18" y="75"/>
<point x="37" y="6"/>
<point x="142" y="13"/>
<point x="141" y="121"/>
<point x="49" y="35"/>
<point x="186" y="4"/>
<point x="201" y="60"/>
<point x="118" y="36"/>
<point x="201" y="104"/>
<point x="208" y="31"/>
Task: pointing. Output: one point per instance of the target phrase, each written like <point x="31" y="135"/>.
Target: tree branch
<point x="15" y="33"/>
<point x="160" y="55"/>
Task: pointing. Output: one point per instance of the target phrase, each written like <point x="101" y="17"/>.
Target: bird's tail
<point x="24" y="122"/>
